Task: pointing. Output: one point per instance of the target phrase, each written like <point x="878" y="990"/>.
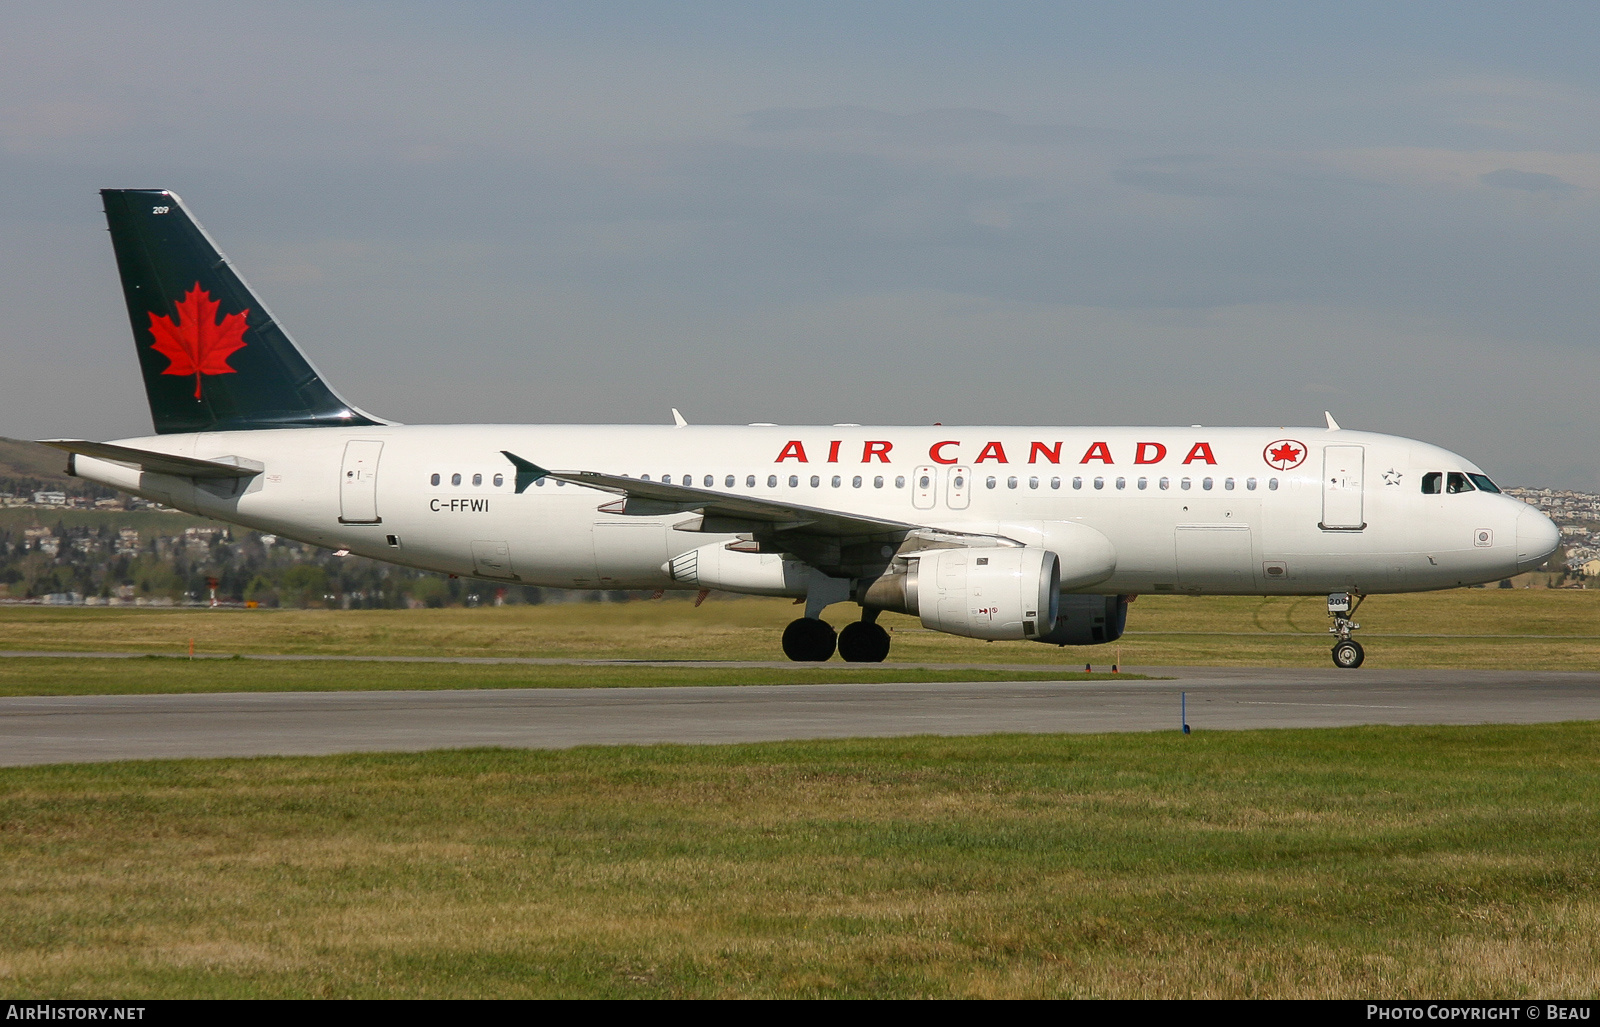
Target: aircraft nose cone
<point x="1537" y="538"/>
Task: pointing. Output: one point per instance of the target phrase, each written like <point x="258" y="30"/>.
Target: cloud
<point x="1527" y="181"/>
<point x="942" y="126"/>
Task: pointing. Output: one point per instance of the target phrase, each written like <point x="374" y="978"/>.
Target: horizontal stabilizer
<point x="161" y="463"/>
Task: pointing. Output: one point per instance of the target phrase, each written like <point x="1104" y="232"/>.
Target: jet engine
<point x="1088" y="620"/>
<point x="999" y="593"/>
<point x="716" y="566"/>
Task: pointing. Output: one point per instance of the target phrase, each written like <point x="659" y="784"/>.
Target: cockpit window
<point x="1431" y="482"/>
<point x="1457" y="482"/>
<point x="1483" y="482"/>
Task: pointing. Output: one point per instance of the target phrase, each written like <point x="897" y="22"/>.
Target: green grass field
<point x="151" y="675"/>
<point x="1437" y="862"/>
<point x="1489" y="628"/>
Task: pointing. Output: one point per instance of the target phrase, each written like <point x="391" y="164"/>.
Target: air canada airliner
<point x="994" y="532"/>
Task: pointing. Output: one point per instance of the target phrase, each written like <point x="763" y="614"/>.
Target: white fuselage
<point x="1194" y="510"/>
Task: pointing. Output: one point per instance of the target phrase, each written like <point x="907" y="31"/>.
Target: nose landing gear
<point x="1347" y="652"/>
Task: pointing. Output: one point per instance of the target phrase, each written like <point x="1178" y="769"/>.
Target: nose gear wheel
<point x="1347" y="652"/>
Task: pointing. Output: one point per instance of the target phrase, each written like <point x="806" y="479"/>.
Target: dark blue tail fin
<point x="212" y="356"/>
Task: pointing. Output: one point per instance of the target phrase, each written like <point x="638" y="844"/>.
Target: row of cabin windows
<point x="1206" y="484"/>
<point x="477" y="479"/>
<point x="959" y="482"/>
<point x="710" y="481"/>
<point x="1455" y="482"/>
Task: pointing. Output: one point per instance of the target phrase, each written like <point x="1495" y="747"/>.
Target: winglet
<point x="677" y="419"/>
<point x="527" y="473"/>
<point x="1332" y="424"/>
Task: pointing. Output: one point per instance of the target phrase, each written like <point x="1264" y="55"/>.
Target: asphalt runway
<point x="35" y="730"/>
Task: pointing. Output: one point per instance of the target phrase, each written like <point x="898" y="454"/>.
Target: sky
<point x="994" y="213"/>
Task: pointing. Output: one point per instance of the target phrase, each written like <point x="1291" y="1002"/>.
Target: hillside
<point x="20" y="459"/>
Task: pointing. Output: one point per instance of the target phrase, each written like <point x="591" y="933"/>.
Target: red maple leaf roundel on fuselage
<point x="196" y="341"/>
<point x="1284" y="454"/>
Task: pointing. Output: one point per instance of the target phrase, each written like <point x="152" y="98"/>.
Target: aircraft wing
<point x="159" y="463"/>
<point x="722" y="511"/>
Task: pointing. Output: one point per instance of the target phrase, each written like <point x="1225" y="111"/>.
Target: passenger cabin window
<point x="1099" y="483"/>
<point x="1228" y="484"/>
<point x="710" y="481"/>
<point x="1483" y="482"/>
<point x="1184" y="484"/>
<point x="1272" y="484"/>
<point x="989" y="482"/>
<point x="1144" y="483"/>
<point x="772" y="481"/>
<point x="666" y="479"/>
<point x="1055" y="483"/>
<point x="1077" y="483"/>
<point x="477" y="479"/>
<point x="749" y="481"/>
<point x="1033" y="483"/>
<point x="499" y="480"/>
<point x="816" y="481"/>
<point x="900" y="481"/>
<point x="837" y="481"/>
<point x="794" y="481"/>
<point x="855" y="482"/>
<point x="1165" y="483"/>
<point x="1250" y="484"/>
<point x="455" y="479"/>
<point x="1206" y="484"/>
<point x="1431" y="483"/>
<point x="433" y="480"/>
<point x="1011" y="483"/>
<point x="1457" y="482"/>
<point x="728" y="482"/>
<point x="877" y="482"/>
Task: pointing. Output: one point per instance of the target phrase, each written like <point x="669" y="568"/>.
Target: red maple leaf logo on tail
<point x="197" y="343"/>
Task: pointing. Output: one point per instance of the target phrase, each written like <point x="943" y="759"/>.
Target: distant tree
<point x="304" y="584"/>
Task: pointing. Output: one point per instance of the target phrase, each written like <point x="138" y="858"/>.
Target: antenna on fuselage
<point x="1332" y="424"/>
<point x="677" y="419"/>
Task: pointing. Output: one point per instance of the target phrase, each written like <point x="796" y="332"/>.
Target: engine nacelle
<point x="995" y="593"/>
<point x="1088" y="620"/>
<point x="762" y="574"/>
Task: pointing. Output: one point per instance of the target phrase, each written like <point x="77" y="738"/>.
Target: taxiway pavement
<point x="36" y="730"/>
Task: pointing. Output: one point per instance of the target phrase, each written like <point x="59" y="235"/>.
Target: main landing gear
<point x="811" y="639"/>
<point x="1347" y="652"/>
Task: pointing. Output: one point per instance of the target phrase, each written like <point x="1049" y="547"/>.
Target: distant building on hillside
<point x="49" y="499"/>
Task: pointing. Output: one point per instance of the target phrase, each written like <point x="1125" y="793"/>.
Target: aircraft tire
<point x="1348" y="654"/>
<point x="861" y="642"/>
<point x="809" y="640"/>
